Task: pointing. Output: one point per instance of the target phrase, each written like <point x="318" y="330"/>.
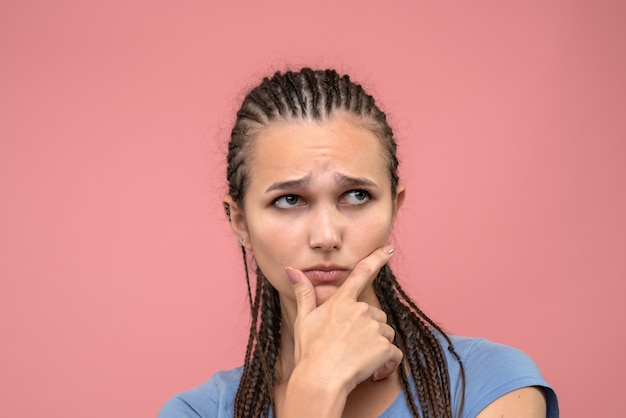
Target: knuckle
<point x="391" y="332"/>
<point x="373" y="329"/>
<point x="385" y="344"/>
<point x="361" y="308"/>
<point x="383" y="317"/>
<point x="399" y="355"/>
<point x="302" y="293"/>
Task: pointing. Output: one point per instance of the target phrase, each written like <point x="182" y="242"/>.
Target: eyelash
<point x="285" y="197"/>
<point x="367" y="197"/>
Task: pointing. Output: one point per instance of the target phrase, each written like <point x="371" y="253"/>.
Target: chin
<point x="323" y="293"/>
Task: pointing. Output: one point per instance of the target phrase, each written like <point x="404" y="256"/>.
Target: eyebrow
<point x="290" y="184"/>
<point x="340" y="179"/>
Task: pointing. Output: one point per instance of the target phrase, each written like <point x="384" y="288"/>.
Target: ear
<point x="399" y="199"/>
<point x="237" y="221"/>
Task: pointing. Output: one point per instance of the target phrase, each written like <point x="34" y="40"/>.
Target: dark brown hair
<point x="318" y="95"/>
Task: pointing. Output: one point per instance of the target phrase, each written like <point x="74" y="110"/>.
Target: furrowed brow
<point x="290" y="184"/>
<point x="344" y="180"/>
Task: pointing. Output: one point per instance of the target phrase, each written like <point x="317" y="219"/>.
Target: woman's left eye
<point x="356" y="197"/>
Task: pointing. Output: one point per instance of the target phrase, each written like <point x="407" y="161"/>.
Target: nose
<point x="325" y="232"/>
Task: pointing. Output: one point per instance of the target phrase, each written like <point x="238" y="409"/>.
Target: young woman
<point x="313" y="195"/>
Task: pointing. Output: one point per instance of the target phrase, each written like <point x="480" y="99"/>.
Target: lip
<point x="326" y="273"/>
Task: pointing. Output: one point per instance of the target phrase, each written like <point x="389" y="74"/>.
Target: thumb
<point x="303" y="289"/>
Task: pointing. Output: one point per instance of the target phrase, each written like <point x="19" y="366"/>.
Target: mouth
<point x="326" y="274"/>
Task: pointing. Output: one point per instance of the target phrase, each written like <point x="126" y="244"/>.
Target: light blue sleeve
<point x="178" y="407"/>
<point x="493" y="370"/>
<point x="213" y="399"/>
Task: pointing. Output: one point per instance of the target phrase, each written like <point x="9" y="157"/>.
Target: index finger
<point x="365" y="272"/>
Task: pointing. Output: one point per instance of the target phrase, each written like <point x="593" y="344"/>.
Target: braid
<point x="254" y="396"/>
<point x="242" y="399"/>
<point x="404" y="340"/>
<point x="297" y="90"/>
<point x="290" y="105"/>
<point x="423" y="352"/>
<point x="315" y="96"/>
<point x="432" y="323"/>
<point x="276" y="101"/>
<point x="256" y="98"/>
<point x="347" y="91"/>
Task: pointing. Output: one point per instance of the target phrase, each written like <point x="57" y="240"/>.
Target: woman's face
<point x="319" y="200"/>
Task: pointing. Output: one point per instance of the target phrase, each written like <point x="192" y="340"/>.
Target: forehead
<point x="303" y="147"/>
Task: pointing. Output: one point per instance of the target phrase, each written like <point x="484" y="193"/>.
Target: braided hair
<point x="317" y="95"/>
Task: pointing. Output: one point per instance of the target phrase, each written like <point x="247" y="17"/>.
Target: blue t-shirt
<point x="491" y="371"/>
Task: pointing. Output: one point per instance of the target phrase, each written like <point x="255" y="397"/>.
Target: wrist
<point x="310" y="392"/>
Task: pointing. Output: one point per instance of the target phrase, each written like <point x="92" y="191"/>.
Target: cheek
<point x="273" y="248"/>
<point x="272" y="234"/>
<point x="373" y="234"/>
<point x="272" y="243"/>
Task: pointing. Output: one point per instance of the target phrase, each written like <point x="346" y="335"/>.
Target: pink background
<point x="121" y="282"/>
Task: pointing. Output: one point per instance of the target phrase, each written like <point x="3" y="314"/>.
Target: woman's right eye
<point x="288" y="201"/>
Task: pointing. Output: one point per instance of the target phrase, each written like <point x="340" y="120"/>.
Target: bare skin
<point x="528" y="402"/>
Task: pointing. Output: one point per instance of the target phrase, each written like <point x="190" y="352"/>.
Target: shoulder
<point x="529" y="402"/>
<point x="214" y="398"/>
<point x="492" y="371"/>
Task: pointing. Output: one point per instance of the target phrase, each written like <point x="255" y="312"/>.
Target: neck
<point x="286" y="355"/>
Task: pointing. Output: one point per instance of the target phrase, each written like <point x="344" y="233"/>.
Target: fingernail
<point x="292" y="274"/>
<point x="388" y="249"/>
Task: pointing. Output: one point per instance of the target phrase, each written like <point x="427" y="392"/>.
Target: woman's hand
<point x="343" y="341"/>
